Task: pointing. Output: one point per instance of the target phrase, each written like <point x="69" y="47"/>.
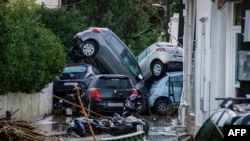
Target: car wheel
<point x="161" y="106"/>
<point x="89" y="48"/>
<point x="157" y="69"/>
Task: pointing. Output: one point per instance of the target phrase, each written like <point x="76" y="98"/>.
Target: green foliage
<point x="64" y="23"/>
<point x="133" y="21"/>
<point x="30" y="54"/>
<point x="174" y="7"/>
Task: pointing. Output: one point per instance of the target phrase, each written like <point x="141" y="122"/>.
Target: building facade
<point x="212" y="40"/>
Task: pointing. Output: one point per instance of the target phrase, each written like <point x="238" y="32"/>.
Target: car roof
<point x="111" y="76"/>
<point x="165" y="43"/>
<point x="174" y="73"/>
<point x="103" y="30"/>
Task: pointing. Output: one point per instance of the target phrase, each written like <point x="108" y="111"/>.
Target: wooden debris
<point x="11" y="130"/>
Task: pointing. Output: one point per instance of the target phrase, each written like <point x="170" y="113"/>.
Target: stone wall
<point x="27" y="107"/>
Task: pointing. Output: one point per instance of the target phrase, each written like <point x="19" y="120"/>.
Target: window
<point x="237" y="18"/>
<point x="117" y="44"/>
<point x="142" y="55"/>
<point x="131" y="62"/>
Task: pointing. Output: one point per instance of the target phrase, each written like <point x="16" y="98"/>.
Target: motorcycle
<point x="116" y="125"/>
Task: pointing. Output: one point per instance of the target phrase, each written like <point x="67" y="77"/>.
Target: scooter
<point x="116" y="125"/>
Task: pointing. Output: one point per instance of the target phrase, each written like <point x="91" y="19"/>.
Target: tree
<point x="30" y="54"/>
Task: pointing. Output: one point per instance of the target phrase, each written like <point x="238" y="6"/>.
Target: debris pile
<point x="20" y="131"/>
<point x="13" y="130"/>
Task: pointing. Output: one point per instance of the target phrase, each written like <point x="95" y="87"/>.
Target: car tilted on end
<point x="107" y="93"/>
<point x="102" y="48"/>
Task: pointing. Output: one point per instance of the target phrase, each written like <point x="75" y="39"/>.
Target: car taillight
<point x="95" y="93"/>
<point x="89" y="72"/>
<point x="96" y="30"/>
<point x="134" y="91"/>
<point x="160" y="49"/>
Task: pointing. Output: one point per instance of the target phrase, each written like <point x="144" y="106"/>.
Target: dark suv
<point x="107" y="93"/>
<point x="104" y="49"/>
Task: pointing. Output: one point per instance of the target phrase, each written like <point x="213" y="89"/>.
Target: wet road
<point x="160" y="128"/>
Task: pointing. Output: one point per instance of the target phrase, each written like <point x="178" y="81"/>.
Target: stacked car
<point x="103" y="49"/>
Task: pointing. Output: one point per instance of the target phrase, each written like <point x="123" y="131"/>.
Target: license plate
<point x="112" y="104"/>
<point x="70" y="83"/>
<point x="139" y="127"/>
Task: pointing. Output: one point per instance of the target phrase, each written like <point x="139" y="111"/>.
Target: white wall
<point x="174" y="23"/>
<point x="30" y="107"/>
<point x="50" y="3"/>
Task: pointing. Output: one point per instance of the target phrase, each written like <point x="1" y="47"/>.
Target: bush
<point x="30" y="55"/>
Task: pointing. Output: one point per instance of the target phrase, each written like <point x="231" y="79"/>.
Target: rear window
<point x="74" y="72"/>
<point x="115" y="83"/>
<point x="74" y="69"/>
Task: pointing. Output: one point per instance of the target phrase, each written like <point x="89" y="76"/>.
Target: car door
<point x="175" y="86"/>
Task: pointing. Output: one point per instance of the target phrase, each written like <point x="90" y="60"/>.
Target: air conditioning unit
<point x="244" y="65"/>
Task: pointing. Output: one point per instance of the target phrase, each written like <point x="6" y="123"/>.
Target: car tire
<point x="89" y="48"/>
<point x="157" y="69"/>
<point x="161" y="106"/>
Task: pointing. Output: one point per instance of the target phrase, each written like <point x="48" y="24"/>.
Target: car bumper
<point x="104" y="107"/>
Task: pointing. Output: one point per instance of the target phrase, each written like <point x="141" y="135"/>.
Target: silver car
<point x="158" y="58"/>
<point x="102" y="48"/>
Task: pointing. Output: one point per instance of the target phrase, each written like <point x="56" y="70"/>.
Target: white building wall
<point x="50" y="3"/>
<point x="203" y="67"/>
<point x="174" y="23"/>
<point x="214" y="68"/>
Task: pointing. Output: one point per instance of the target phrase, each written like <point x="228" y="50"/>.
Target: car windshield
<point x="74" y="72"/>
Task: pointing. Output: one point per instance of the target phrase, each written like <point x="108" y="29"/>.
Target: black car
<point x="107" y="93"/>
<point x="213" y="127"/>
<point x="103" y="48"/>
<point x="72" y="75"/>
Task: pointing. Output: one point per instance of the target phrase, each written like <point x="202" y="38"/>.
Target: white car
<point x="158" y="58"/>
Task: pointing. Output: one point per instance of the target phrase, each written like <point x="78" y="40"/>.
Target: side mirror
<point x="186" y="137"/>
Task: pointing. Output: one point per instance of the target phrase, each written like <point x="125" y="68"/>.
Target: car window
<point x="115" y="83"/>
<point x="74" y="69"/>
<point x="117" y="44"/>
<point x="74" y="72"/>
<point x="131" y="62"/>
<point x="177" y="81"/>
<point x="142" y="55"/>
